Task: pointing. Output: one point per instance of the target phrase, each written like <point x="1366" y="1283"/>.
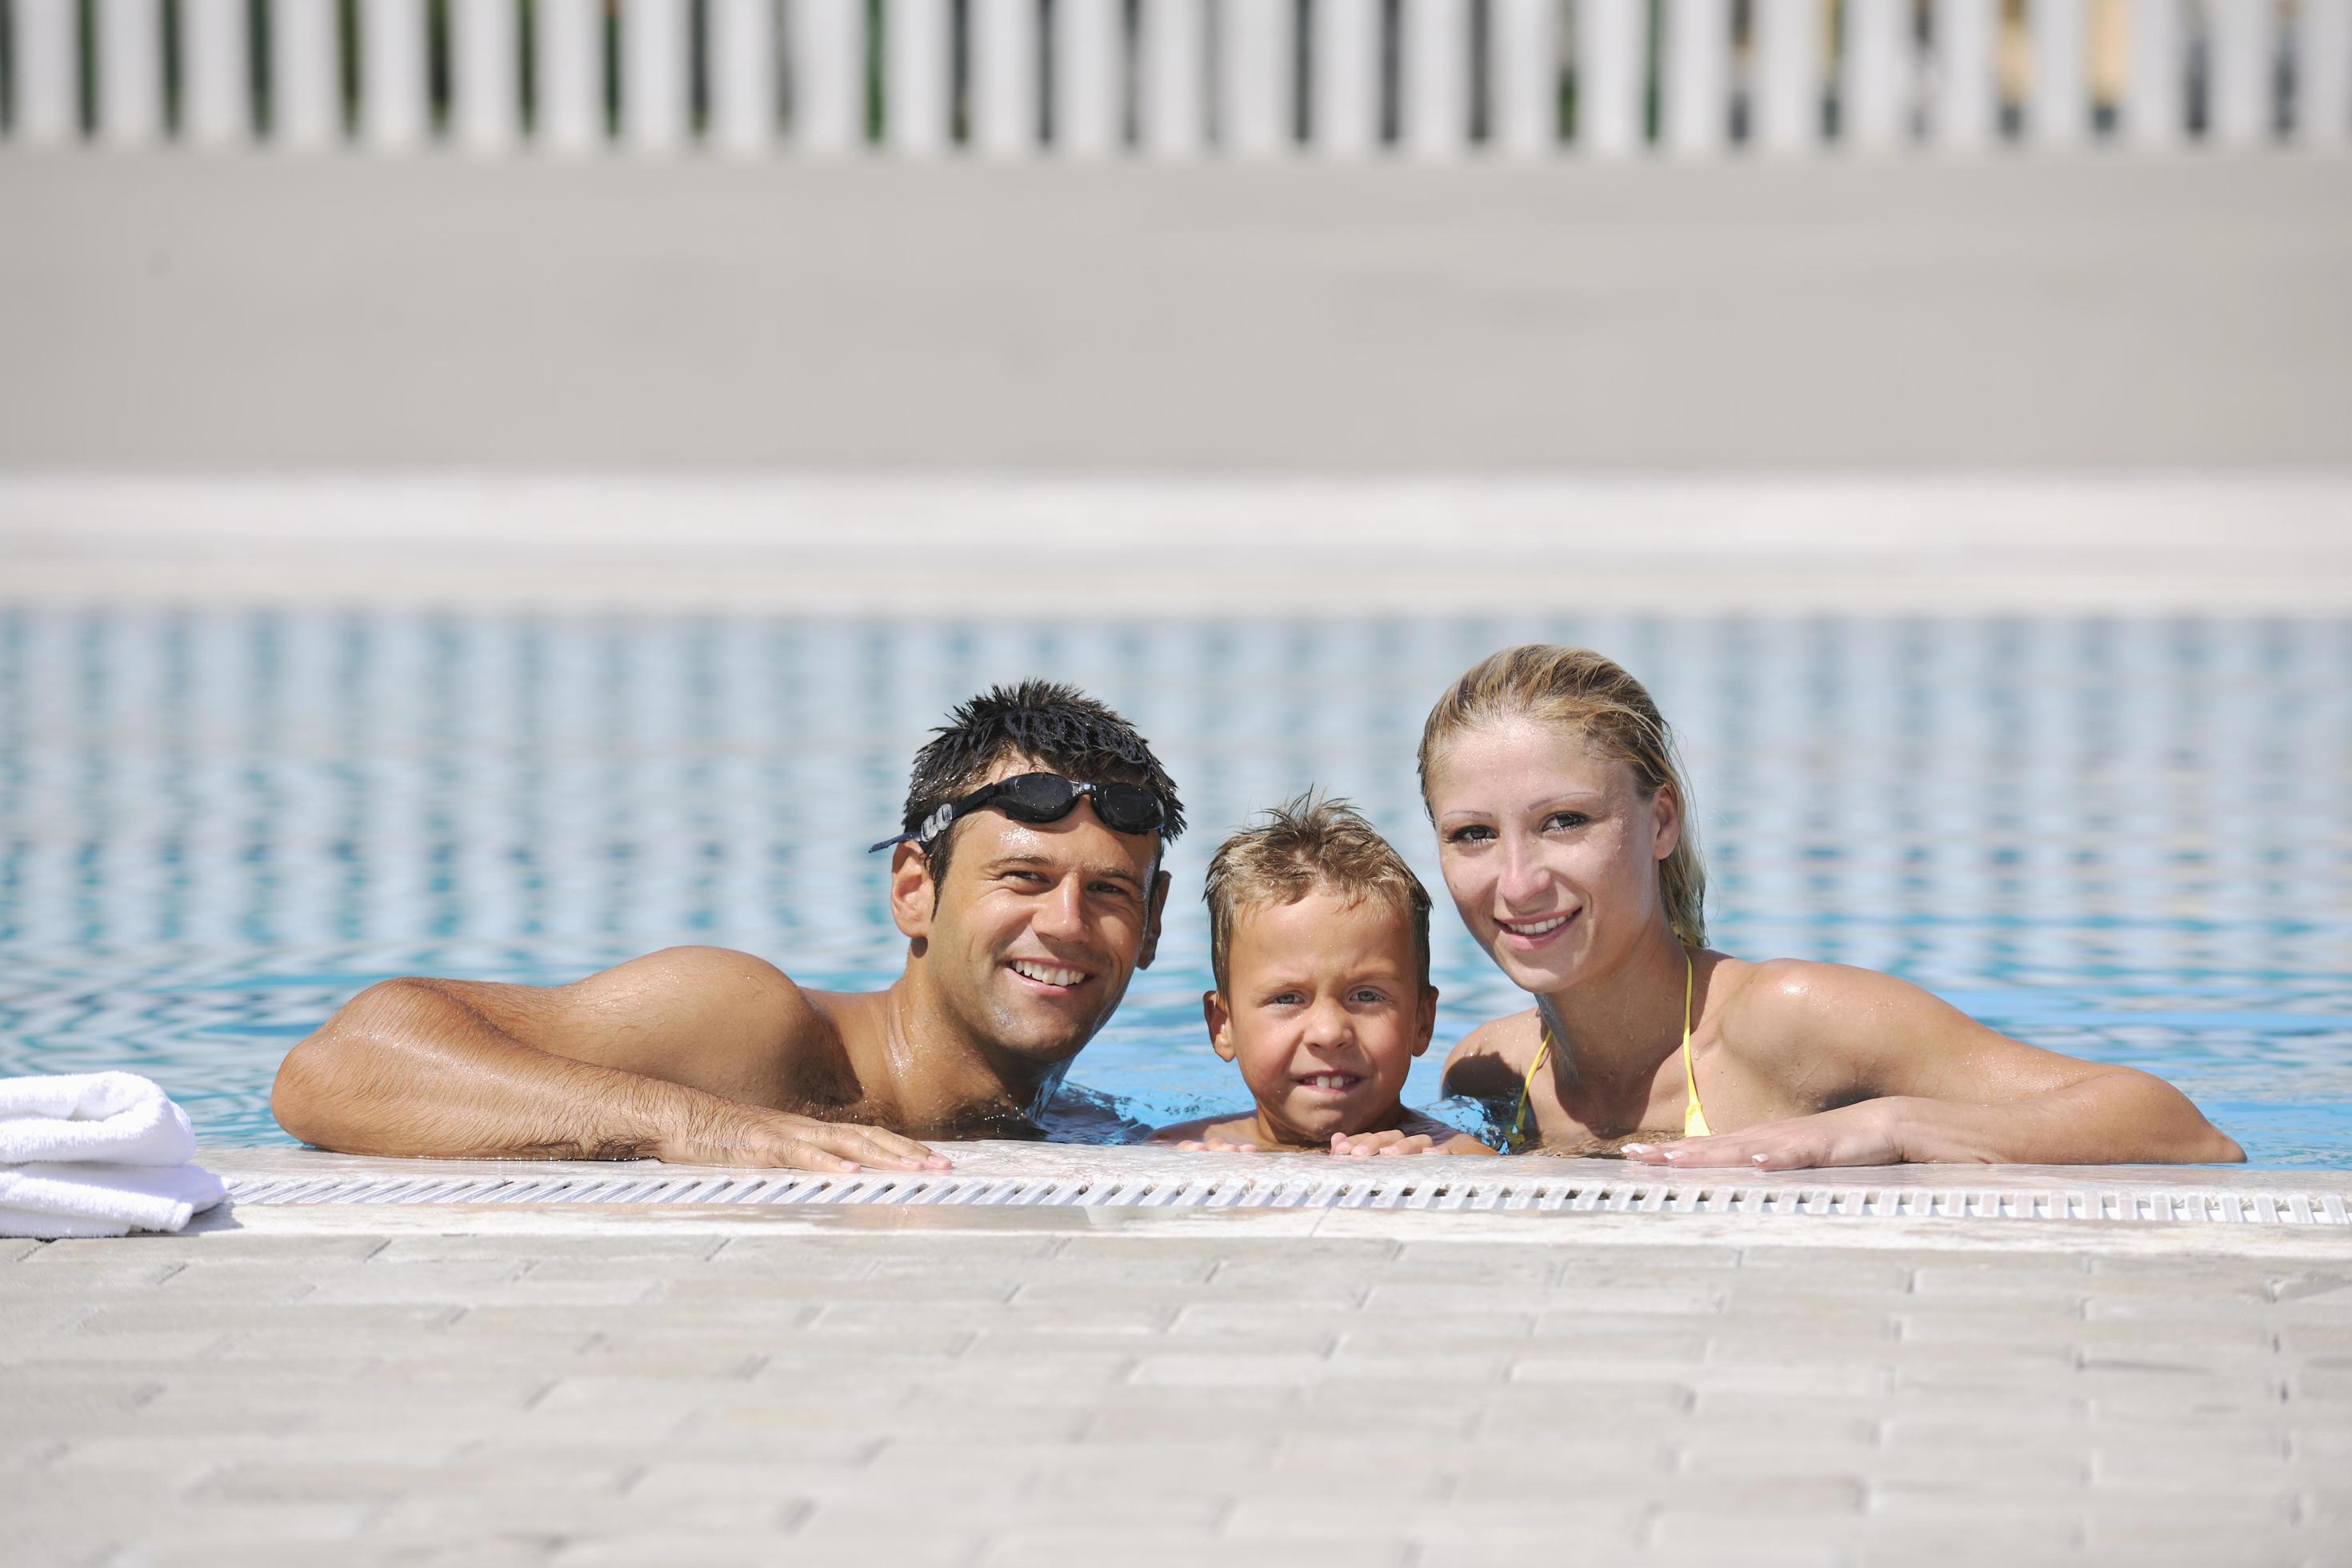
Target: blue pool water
<point x="2129" y="840"/>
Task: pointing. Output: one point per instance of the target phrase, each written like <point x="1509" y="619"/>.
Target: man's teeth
<point x="1048" y="974"/>
<point x="1534" y="928"/>
<point x="1330" y="1080"/>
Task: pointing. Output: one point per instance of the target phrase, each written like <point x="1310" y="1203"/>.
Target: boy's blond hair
<point x="1307" y="843"/>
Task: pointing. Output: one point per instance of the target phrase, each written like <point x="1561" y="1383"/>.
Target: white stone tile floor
<point x="551" y="1384"/>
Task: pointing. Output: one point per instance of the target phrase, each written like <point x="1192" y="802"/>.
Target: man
<point x="1028" y="886"/>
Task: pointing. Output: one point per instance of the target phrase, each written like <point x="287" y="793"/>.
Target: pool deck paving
<point x="636" y="1383"/>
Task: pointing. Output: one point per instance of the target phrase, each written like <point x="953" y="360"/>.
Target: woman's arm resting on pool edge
<point x="1930" y="1084"/>
<point x="448" y="1069"/>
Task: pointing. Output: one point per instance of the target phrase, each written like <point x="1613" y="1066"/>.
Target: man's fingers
<point x="870" y="1146"/>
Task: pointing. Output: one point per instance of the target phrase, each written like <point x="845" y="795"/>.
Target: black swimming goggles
<point x="1044" y="797"/>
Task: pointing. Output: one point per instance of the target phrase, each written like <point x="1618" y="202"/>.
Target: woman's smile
<point x="1527" y="935"/>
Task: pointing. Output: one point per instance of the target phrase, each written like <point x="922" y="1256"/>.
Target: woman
<point x="1564" y="834"/>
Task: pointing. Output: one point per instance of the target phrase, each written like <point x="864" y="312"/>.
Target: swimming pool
<point x="2126" y="839"/>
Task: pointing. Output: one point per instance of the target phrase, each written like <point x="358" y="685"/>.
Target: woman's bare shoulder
<point x="1492" y="1060"/>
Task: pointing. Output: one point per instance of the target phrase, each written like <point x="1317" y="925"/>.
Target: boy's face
<point x="1323" y="1010"/>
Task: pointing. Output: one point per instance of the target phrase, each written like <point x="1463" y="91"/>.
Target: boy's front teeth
<point x="1331" y="1081"/>
<point x="1047" y="974"/>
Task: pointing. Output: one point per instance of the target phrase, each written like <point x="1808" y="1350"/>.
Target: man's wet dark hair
<point x="1058" y="727"/>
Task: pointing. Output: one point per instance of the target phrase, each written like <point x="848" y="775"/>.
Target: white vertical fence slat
<point x="1174" y="85"/>
<point x="1875" y="87"/>
<point x="1788" y="79"/>
<point x="915" y="42"/>
<point x="485" y="80"/>
<point x="1435" y="98"/>
<point x="1253" y="54"/>
<point x="1343" y="98"/>
<point x="1696" y="77"/>
<point x="1004" y="77"/>
<point x="743" y="75"/>
<point x="827" y="50"/>
<point x="391" y="73"/>
<point x="2058" y="112"/>
<point x="2239" y="111"/>
<point x="130" y="36"/>
<point x="656" y="40"/>
<point x="1612" y="63"/>
<point x="2153" y="95"/>
<point x="1087" y="97"/>
<point x="1965" y="86"/>
<point x="1523" y="77"/>
<point x="306" y="98"/>
<point x="570" y="72"/>
<point x="44" y="93"/>
<point x="215" y="75"/>
<point x="2323" y="109"/>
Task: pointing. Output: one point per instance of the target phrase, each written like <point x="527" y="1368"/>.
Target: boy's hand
<point x="1365" y="1146"/>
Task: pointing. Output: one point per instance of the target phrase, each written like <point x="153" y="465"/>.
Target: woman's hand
<point x="1863" y="1135"/>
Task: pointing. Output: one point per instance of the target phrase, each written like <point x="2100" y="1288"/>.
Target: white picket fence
<point x="1430" y="80"/>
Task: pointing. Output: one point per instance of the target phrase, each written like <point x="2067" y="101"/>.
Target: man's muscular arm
<point x="663" y="1058"/>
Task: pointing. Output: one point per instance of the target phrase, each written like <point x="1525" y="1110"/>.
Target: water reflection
<point x="2128" y="840"/>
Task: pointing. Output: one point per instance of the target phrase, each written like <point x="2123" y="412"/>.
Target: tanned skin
<point x="704" y="1055"/>
<point x="1324" y="1009"/>
<point x="1551" y="850"/>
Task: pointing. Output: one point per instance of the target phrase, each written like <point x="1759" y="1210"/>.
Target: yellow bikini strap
<point x="1693" y="1114"/>
<point x="1528" y="1086"/>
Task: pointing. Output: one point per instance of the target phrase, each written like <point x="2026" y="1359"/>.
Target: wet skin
<point x="1323" y="1011"/>
<point x="1551" y="850"/>
<point x="708" y="1056"/>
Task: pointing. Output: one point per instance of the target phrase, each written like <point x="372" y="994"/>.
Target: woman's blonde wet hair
<point x="1594" y="699"/>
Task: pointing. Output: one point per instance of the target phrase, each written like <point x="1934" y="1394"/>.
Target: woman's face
<point x="1550" y="850"/>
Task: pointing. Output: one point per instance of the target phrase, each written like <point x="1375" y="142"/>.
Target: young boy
<point x="1318" y="934"/>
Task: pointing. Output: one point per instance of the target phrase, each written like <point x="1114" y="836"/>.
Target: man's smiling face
<point x="1039" y="926"/>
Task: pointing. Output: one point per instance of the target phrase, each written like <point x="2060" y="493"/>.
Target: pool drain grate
<point x="1239" y="1191"/>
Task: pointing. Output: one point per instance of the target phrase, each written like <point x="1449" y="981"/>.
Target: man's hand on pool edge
<point x="780" y="1138"/>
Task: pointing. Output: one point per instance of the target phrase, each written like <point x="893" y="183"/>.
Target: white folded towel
<point x="51" y="1201"/>
<point x="117" y="1117"/>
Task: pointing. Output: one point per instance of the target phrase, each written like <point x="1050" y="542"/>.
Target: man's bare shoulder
<point x="721" y="1020"/>
<point x="1491" y="1061"/>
